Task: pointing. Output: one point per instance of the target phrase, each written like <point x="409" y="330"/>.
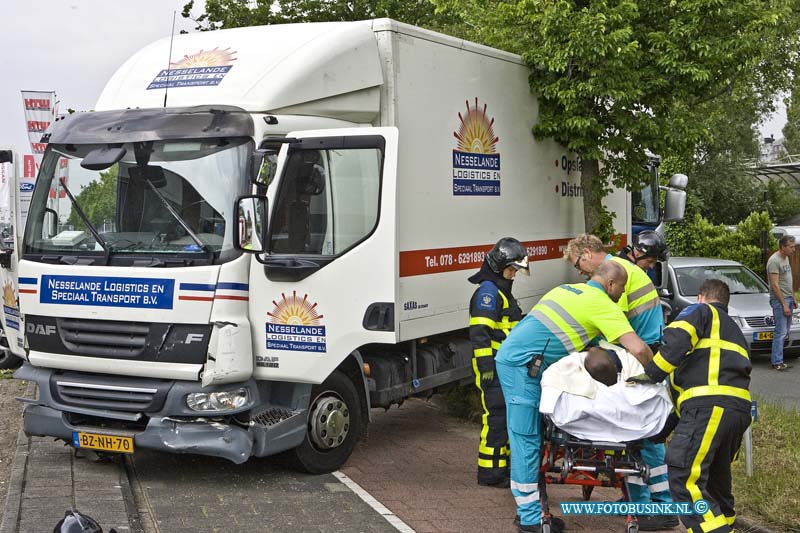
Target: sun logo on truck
<point x="476" y="161"/>
<point x="9" y="298"/>
<point x="206" y="68"/>
<point x="295" y="311"/>
<point x="205" y="58"/>
<point x="476" y="133"/>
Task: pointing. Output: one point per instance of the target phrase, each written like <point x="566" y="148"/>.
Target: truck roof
<point x="259" y="68"/>
<point x="267" y="69"/>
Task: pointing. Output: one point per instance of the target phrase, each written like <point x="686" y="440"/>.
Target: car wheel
<point x="334" y="426"/>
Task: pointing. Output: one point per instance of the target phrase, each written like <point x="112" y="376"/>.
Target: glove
<point x="640" y="379"/>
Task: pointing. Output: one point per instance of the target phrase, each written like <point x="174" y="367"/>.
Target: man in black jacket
<point x="705" y="356"/>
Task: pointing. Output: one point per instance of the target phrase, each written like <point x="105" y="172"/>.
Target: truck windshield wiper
<point x="83" y="216"/>
<point x="177" y="217"/>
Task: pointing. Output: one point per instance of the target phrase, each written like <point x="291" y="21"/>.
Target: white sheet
<point x="620" y="413"/>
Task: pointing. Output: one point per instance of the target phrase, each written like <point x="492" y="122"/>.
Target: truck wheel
<point x="7" y="359"/>
<point x="334" y="424"/>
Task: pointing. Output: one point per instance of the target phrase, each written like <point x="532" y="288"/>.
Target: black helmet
<point x="508" y="252"/>
<point x="75" y="522"/>
<point x="651" y="244"/>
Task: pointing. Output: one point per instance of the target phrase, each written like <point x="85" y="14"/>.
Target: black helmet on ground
<point x="76" y="522"/>
<point x="508" y="252"/>
<point x="651" y="244"/>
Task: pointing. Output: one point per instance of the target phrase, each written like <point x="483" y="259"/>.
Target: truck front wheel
<point x="334" y="426"/>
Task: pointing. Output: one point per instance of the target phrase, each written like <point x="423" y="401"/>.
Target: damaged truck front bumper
<point x="155" y="413"/>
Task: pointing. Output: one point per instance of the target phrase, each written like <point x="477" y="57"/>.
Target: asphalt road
<point x="771" y="385"/>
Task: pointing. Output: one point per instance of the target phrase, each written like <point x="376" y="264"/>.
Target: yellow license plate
<point x="763" y="336"/>
<point x="108" y="443"/>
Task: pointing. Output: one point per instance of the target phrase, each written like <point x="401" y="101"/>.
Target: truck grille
<point x="760" y="321"/>
<point x="103" y="337"/>
<point x="113" y="397"/>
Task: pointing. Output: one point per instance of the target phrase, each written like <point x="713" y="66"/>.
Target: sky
<point x="72" y="47"/>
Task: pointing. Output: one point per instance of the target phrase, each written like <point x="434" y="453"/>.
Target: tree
<point x="616" y="77"/>
<point x="791" y="131"/>
<point x="237" y="13"/>
<point x="98" y="201"/>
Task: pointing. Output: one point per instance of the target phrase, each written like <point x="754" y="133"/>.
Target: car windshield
<point x="739" y="279"/>
<point x="162" y="197"/>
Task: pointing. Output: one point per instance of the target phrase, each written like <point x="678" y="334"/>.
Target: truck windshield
<point x="162" y="197"/>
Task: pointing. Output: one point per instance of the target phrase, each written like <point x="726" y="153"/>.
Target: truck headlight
<point x="740" y="321"/>
<point x="218" y="401"/>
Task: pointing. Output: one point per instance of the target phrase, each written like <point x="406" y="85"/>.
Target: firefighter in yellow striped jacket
<point x="493" y="312"/>
<point x="705" y="356"/>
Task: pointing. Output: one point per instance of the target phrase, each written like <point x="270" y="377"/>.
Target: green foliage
<point x="697" y="237"/>
<point x="237" y="13"/>
<point x="465" y="402"/>
<point x="618" y="76"/>
<point x="770" y="494"/>
<point x="791" y="131"/>
<point x="98" y="200"/>
<point x="784" y="202"/>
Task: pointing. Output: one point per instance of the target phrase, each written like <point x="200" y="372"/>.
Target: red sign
<point x="29" y="166"/>
<point x="37" y="104"/>
<point x="38" y="125"/>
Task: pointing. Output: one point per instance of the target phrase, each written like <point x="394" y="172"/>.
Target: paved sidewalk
<point x="421" y="465"/>
<point x="47" y="480"/>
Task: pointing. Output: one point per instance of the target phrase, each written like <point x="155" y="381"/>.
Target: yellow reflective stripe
<point x="714" y="353"/>
<point x="730" y="520"/>
<point x="688" y="328"/>
<point x="485" y="450"/>
<point x="696" y="470"/>
<point x="481" y="321"/>
<point x="514" y="323"/>
<point x="489" y="463"/>
<point x="713" y="390"/>
<point x="495" y="345"/>
<point x="505" y="300"/>
<point x="724" y="345"/>
<point x="482" y="352"/>
<point x="663" y="364"/>
<point x="713" y="523"/>
<point x="485" y="417"/>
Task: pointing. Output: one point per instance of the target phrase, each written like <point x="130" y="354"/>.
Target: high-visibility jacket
<point x="492" y="315"/>
<point x="565" y="320"/>
<point x="705" y="355"/>
<point x="640" y="302"/>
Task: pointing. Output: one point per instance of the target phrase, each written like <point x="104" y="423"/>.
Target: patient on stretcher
<point x="585" y="394"/>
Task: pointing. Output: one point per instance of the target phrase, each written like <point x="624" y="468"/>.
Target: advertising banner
<point x="6" y="181"/>
<point x="40" y="111"/>
<point x="26" y="183"/>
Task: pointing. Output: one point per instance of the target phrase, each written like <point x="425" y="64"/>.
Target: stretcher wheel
<point x="587" y="491"/>
<point x="632" y="527"/>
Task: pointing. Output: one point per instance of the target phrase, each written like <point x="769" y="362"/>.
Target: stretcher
<point x="568" y="460"/>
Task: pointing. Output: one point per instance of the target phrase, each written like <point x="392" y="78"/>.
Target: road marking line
<point x="390" y="517"/>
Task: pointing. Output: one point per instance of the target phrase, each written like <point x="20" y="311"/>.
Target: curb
<point x="17" y="480"/>
<point x="746" y="525"/>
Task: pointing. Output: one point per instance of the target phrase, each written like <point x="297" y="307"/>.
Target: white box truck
<point x="166" y="307"/>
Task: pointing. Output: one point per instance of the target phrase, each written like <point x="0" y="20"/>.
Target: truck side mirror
<point x="251" y="234"/>
<point x="674" y="205"/>
<point x="678" y="181"/>
<point x="50" y="223"/>
<point x="264" y="166"/>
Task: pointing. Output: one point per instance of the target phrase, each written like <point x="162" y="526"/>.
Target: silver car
<point x="749" y="305"/>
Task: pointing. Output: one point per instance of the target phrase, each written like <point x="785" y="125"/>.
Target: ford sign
<point x="26" y="186"/>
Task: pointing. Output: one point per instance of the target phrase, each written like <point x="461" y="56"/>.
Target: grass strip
<point x="772" y="494"/>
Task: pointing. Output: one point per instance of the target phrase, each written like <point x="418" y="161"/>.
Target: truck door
<point x="329" y="253"/>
